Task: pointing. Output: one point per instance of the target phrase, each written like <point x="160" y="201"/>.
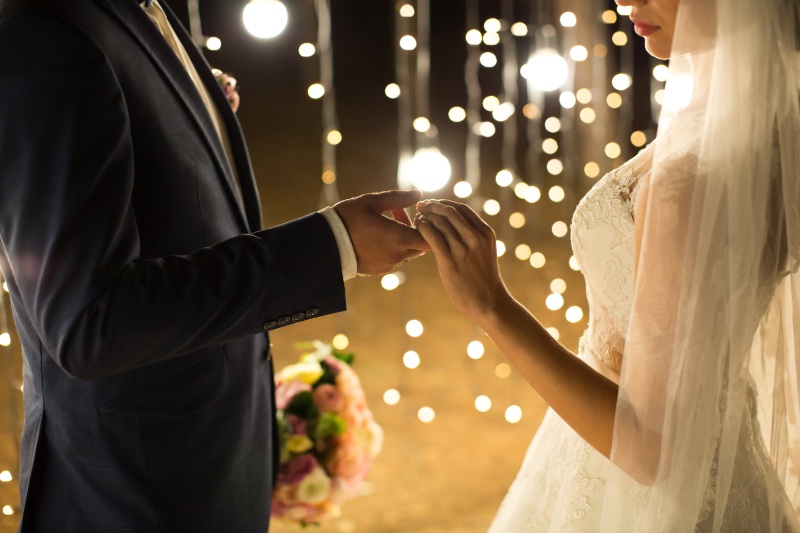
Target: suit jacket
<point x="140" y="284"/>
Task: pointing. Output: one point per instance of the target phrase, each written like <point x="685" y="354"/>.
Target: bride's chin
<point x="657" y="49"/>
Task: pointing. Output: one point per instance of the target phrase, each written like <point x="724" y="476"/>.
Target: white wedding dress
<point x="561" y="484"/>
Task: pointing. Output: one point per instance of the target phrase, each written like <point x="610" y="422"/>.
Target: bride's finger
<point x="470" y="215"/>
<point x="445" y="228"/>
<point x="432" y="235"/>
<point x="464" y="229"/>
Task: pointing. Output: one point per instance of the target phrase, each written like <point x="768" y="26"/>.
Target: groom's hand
<point x="382" y="243"/>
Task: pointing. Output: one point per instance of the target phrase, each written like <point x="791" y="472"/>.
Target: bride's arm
<point x="465" y="250"/>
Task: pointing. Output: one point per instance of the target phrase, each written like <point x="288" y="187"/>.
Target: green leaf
<point x="346" y="357"/>
<point x="302" y="405"/>
<point x="329" y="425"/>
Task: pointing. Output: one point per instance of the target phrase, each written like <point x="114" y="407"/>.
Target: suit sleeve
<point x="69" y="234"/>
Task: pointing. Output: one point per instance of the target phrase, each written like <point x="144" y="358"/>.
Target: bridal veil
<point x="711" y="368"/>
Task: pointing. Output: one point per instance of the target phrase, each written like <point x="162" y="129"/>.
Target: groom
<point x="140" y="278"/>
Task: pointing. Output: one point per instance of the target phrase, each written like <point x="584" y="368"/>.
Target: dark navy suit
<point x="140" y="281"/>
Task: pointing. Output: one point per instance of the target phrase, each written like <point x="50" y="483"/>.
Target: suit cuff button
<point x="282" y="321"/>
<point x="270" y="325"/>
<point x="311" y="313"/>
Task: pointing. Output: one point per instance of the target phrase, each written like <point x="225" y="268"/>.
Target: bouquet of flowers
<point x="327" y="434"/>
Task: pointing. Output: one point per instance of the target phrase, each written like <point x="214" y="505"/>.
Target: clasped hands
<point x="462" y="242"/>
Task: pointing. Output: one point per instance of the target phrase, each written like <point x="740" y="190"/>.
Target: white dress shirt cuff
<point x="346" y="252"/>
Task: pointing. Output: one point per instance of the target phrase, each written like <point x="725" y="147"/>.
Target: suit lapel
<point x="137" y="22"/>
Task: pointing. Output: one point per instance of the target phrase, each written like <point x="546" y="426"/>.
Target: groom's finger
<point x="401" y="216"/>
<point x="393" y="200"/>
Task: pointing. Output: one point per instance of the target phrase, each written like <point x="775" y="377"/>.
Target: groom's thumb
<point x="390" y="200"/>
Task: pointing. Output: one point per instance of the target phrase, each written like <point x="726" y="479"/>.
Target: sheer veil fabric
<point x="708" y="411"/>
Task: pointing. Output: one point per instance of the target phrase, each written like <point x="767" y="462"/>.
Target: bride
<point x="680" y="411"/>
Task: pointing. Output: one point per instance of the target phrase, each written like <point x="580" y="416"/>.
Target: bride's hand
<point x="466" y="255"/>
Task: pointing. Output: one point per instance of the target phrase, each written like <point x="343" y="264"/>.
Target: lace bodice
<point x="603" y="242"/>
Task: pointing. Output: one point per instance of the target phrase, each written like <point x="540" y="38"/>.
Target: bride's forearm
<point x="582" y="397"/>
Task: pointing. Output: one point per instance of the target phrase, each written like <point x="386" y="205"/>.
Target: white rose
<point x="315" y="487"/>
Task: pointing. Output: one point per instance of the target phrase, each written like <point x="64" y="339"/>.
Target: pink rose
<point x="327" y="398"/>
<point x="286" y="391"/>
<point x="350" y="462"/>
<point x="297" y="425"/>
<point x="298" y="468"/>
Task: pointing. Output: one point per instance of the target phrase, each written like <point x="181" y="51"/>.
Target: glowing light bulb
<point x="661" y="72"/>
<point x="558" y="286"/>
<point x="307" y="50"/>
<point x="567" y="100"/>
<point x="591" y="169"/>
<point x="549" y="146"/>
<point x="406" y="11"/>
<point x="474" y="37"/>
<point x="213" y="43"/>
<point x="490" y="103"/>
<point x="516" y="221"/>
<point x="520" y="189"/>
<point x="491" y="38"/>
<point x="491" y="207"/>
<point x="555" y="167"/>
<point x="554" y="333"/>
<point x="391" y="397"/>
<point x="316" y="91"/>
<point x="475" y="350"/>
<point x="428" y="170"/>
<point x="5" y="476"/>
<point x="621" y="81"/>
<point x="426" y="415"/>
<point x="638" y="139"/>
<point x="537" y="260"/>
<point x="502" y="371"/>
<point x="501" y="248"/>
<point x="265" y="18"/>
<point x="492" y="25"/>
<point x="411" y="359"/>
<point x="504" y="178"/>
<point x="531" y="111"/>
<point x="483" y="403"/>
<point x="625" y="11"/>
<point x="613" y="150"/>
<point x="619" y="38"/>
<point x="457" y="114"/>
<point x="578" y="53"/>
<point x="546" y="70"/>
<point x="503" y="112"/>
<point x="552" y="124"/>
<point x="513" y="414"/>
<point x="488" y="59"/>
<point x="5" y="339"/>
<point x="414" y="328"/>
<point x="560" y="229"/>
<point x="568" y="19"/>
<point x="522" y="252"/>
<point x="340" y="341"/>
<point x="519" y="29"/>
<point x="556" y="193"/>
<point x="574" y="314"/>
<point x="392" y="90"/>
<point x="584" y="96"/>
<point x="614" y="100"/>
<point x="554" y="302"/>
<point x="408" y="42"/>
<point x="486" y="129"/>
<point x="573" y="263"/>
<point x="390" y="282"/>
<point x="462" y="189"/>
<point x="588" y="115"/>
<point x="532" y="194"/>
<point x="422" y="124"/>
<point x="334" y="137"/>
<point x="8" y="510"/>
<point x="609" y="17"/>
